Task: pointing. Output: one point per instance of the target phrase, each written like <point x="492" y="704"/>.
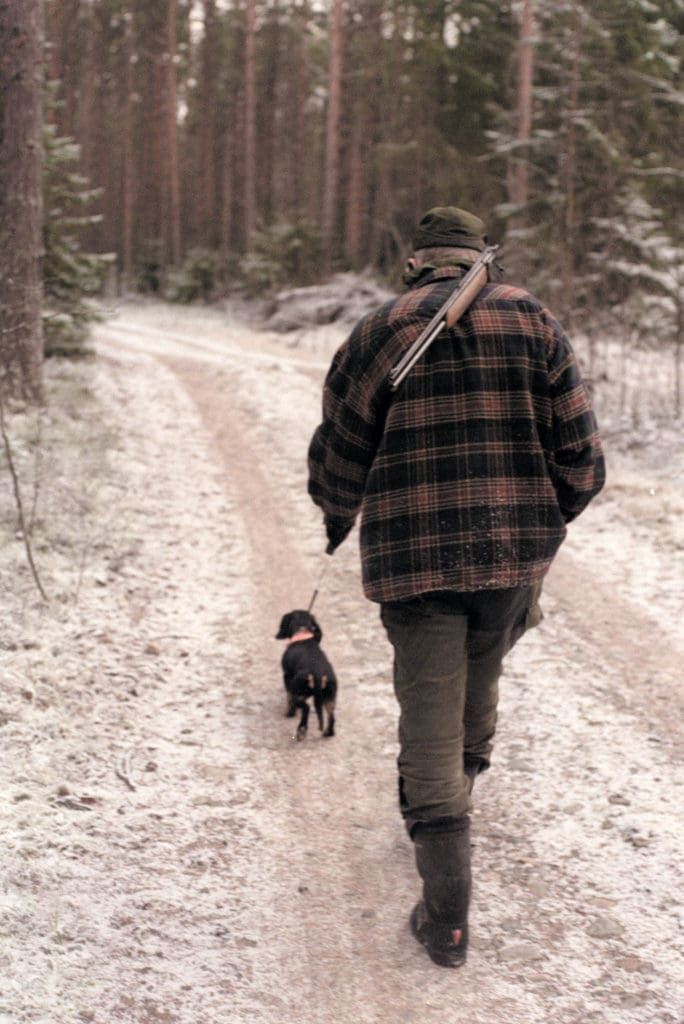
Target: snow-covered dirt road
<point x="171" y="856"/>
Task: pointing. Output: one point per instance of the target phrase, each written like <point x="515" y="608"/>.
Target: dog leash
<point x="321" y="574"/>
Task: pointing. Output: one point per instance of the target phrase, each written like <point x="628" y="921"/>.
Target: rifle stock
<point x="446" y="316"/>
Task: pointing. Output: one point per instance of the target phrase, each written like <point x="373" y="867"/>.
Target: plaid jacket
<point x="467" y="474"/>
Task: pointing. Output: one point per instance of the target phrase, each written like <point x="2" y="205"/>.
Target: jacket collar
<point x="431" y="272"/>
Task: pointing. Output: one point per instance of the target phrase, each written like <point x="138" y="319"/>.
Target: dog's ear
<point x="316" y="629"/>
<point x="284" y="631"/>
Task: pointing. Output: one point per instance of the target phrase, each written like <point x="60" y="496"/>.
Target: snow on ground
<point x="170" y="855"/>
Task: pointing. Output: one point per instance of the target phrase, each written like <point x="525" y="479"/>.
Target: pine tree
<point x="70" y="275"/>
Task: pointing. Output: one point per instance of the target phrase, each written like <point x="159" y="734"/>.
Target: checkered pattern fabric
<point x="467" y="475"/>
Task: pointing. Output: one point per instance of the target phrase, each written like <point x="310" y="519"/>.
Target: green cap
<point x="449" y="226"/>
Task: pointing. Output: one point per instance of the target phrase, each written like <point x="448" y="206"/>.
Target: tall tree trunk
<point x="153" y="250"/>
<point x="21" y="197"/>
<point x="268" y="119"/>
<point x="207" y="172"/>
<point x="88" y="88"/>
<point x="364" y="93"/>
<point x="227" y="192"/>
<point x="64" y="20"/>
<point x="332" y="133"/>
<point x="295" y="175"/>
<point x="356" y="189"/>
<point x="520" y="184"/>
<point x="127" y="152"/>
<point x="570" y="161"/>
<point x="250" y="123"/>
<point x="678" y="277"/>
<point x="54" y="19"/>
<point x="173" y="206"/>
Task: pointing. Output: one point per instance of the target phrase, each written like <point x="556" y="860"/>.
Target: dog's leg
<point x="290" y="699"/>
<point x="303" y="721"/>
<point x="304" y="705"/>
<point x="318" y="701"/>
<point x="329" y="706"/>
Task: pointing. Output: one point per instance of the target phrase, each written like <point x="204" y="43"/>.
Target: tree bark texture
<point x="173" y="203"/>
<point x="250" y="123"/>
<point x="21" y="191"/>
<point x="524" y="130"/>
<point x="127" y="208"/>
<point x="570" y="161"/>
<point x="205" y="196"/>
<point x="332" y="135"/>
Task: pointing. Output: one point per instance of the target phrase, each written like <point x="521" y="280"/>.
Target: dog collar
<point x="303" y="634"/>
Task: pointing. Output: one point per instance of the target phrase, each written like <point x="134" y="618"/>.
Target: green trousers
<point x="448" y="654"/>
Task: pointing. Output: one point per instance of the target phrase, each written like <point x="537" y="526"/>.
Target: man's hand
<point x="336" y="530"/>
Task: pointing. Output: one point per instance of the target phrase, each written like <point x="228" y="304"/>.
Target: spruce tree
<point x="70" y="275"/>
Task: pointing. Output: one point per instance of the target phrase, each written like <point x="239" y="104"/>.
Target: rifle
<point x="447" y="315"/>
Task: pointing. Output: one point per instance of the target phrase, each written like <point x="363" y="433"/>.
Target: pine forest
<point x="208" y="143"/>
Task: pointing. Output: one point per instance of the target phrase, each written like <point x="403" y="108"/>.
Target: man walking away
<point x="466" y="477"/>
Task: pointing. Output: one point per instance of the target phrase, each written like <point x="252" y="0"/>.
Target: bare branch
<point x="123" y="770"/>
<point x="23" y="526"/>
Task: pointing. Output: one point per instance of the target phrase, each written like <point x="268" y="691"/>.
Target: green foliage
<point x="595" y="157"/>
<point x="283" y="254"/>
<point x="203" y="277"/>
<point x="70" y="276"/>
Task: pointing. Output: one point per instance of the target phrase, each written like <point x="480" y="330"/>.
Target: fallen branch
<point x="19" y="503"/>
<point x="75" y="803"/>
<point x="123" y="771"/>
<point x="37" y="471"/>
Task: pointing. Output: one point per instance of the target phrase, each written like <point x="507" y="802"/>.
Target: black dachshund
<point x="307" y="672"/>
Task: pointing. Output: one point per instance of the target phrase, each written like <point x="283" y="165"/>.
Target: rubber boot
<point x="440" y="920"/>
